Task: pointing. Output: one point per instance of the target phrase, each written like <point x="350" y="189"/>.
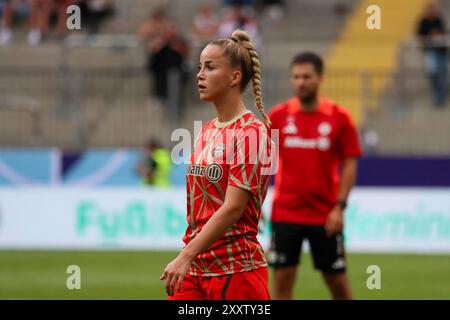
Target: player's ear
<point x="236" y="77"/>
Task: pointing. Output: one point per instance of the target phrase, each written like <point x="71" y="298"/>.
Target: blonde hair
<point x="242" y="53"/>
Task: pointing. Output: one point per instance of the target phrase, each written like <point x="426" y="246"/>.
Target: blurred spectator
<point x="42" y="14"/>
<point x="237" y="19"/>
<point x="94" y="12"/>
<point x="5" y="21"/>
<point x="167" y="51"/>
<point x="204" y="26"/>
<point x="432" y="33"/>
<point x="39" y="14"/>
<point x="155" y="165"/>
<point x="10" y="11"/>
<point x="39" y="20"/>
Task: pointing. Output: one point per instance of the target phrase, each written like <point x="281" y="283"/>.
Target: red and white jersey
<point x="228" y="153"/>
<point x="311" y="147"/>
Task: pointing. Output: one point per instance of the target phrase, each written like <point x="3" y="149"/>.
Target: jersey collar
<point x="294" y="106"/>
<point x="219" y="124"/>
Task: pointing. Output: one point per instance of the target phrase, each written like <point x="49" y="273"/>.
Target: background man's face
<point x="305" y="81"/>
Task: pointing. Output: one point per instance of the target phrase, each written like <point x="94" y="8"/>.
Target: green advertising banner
<point x="377" y="219"/>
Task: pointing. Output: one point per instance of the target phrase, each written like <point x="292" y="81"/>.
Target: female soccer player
<point x="226" y="184"/>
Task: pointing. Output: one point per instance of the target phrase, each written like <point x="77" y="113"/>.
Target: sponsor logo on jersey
<point x="290" y="128"/>
<point x="214" y="172"/>
<point x="321" y="143"/>
<point x="196" y="170"/>
<point x="324" y="128"/>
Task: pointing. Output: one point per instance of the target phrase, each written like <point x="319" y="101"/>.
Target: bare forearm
<point x="348" y="177"/>
<point x="213" y="230"/>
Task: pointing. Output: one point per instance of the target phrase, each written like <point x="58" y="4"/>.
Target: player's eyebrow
<point x="207" y="63"/>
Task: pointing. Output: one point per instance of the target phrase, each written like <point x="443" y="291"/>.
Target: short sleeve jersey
<point x="311" y="147"/>
<point x="233" y="153"/>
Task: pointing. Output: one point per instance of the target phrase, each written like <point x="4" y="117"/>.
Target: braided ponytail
<point x="242" y="38"/>
<point x="242" y="53"/>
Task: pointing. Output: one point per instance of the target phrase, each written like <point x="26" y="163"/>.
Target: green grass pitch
<point x="135" y="275"/>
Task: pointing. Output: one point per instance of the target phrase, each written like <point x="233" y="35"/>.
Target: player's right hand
<point x="335" y="222"/>
<point x="175" y="272"/>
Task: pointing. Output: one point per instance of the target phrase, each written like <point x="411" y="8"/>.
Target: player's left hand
<point x="335" y="222"/>
<point x="175" y="272"/>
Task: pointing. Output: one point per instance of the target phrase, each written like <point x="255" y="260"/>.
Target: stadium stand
<point x="373" y="52"/>
<point x="407" y="121"/>
<point x="92" y="91"/>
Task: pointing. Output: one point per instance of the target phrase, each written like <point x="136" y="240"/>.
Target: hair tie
<point x="236" y="40"/>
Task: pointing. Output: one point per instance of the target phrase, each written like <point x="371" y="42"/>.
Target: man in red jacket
<point x="317" y="137"/>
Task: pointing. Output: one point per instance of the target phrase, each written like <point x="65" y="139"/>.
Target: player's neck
<point x="310" y="105"/>
<point x="228" y="109"/>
